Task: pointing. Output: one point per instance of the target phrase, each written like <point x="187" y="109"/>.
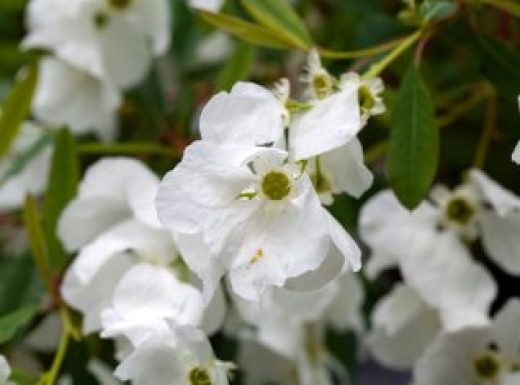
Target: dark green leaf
<point x="19" y="283"/>
<point x="249" y="32"/>
<point x="279" y="16"/>
<point x="16" y="108"/>
<point x="12" y="322"/>
<point x="61" y="188"/>
<point x="237" y="68"/>
<point x="414" y="141"/>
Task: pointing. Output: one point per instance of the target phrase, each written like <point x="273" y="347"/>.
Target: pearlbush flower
<point x="259" y="216"/>
<point x="112" y="40"/>
<point x="113" y="225"/>
<point x="182" y="357"/>
<point x="69" y="96"/>
<point x="475" y="356"/>
<point x="5" y="372"/>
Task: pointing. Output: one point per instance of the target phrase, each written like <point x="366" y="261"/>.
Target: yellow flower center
<point x="119" y="4"/>
<point x="276" y="185"/>
<point x="199" y="376"/>
<point x="101" y="19"/>
<point x="459" y="210"/>
<point x="486" y="366"/>
<point x="322" y="85"/>
<point x="366" y="99"/>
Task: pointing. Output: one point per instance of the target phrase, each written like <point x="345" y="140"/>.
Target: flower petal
<point x="440" y="268"/>
<point x="501" y="241"/>
<point x="329" y="124"/>
<point x="249" y="115"/>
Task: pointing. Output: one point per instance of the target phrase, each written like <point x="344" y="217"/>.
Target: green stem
<point x="359" y="53"/>
<point x="505" y="5"/>
<point x="51" y="376"/>
<point x="379" y="67"/>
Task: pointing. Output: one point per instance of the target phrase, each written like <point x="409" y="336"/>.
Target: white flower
<point x="251" y="115"/>
<point x="258" y="215"/>
<point x="291" y="323"/>
<point x="145" y="299"/>
<point x="341" y="170"/>
<point x="320" y="84"/>
<point x="182" y="357"/>
<point x="5" y="372"/>
<point x="207" y="5"/>
<point x="68" y="96"/>
<point x="434" y="262"/>
<point x="475" y="356"/>
<point x="111" y="39"/>
<point x="403" y="325"/>
<point x="113" y="224"/>
<point x="32" y="178"/>
<point x="369" y="94"/>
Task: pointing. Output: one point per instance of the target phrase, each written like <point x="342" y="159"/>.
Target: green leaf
<point x="501" y="65"/>
<point x="37" y="241"/>
<point x="61" y="188"/>
<point x="19" y="283"/>
<point x="237" y="67"/>
<point x="12" y="322"/>
<point x="249" y="32"/>
<point x="16" y="108"/>
<point x="414" y="141"/>
<point x="280" y="17"/>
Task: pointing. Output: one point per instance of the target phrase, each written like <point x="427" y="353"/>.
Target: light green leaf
<point x="249" y="32"/>
<point x="414" y="141"/>
<point x="237" y="67"/>
<point x="37" y="241"/>
<point x="12" y="322"/>
<point x="61" y="188"/>
<point x="16" y="108"/>
<point x="280" y="17"/>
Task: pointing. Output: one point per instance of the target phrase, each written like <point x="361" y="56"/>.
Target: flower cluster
<point x="446" y="294"/>
<point x="245" y="203"/>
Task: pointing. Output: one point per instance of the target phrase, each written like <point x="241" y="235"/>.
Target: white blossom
<point x="403" y="326"/>
<point x="111" y="39"/>
<point x="69" y="96"/>
<point x="113" y="224"/>
<point x="144" y="300"/>
<point x="259" y="216"/>
<point x="181" y="357"/>
<point x="369" y="94"/>
<point x="32" y="178"/>
<point x="482" y="356"/>
<point x="432" y="257"/>
<point x="5" y="372"/>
